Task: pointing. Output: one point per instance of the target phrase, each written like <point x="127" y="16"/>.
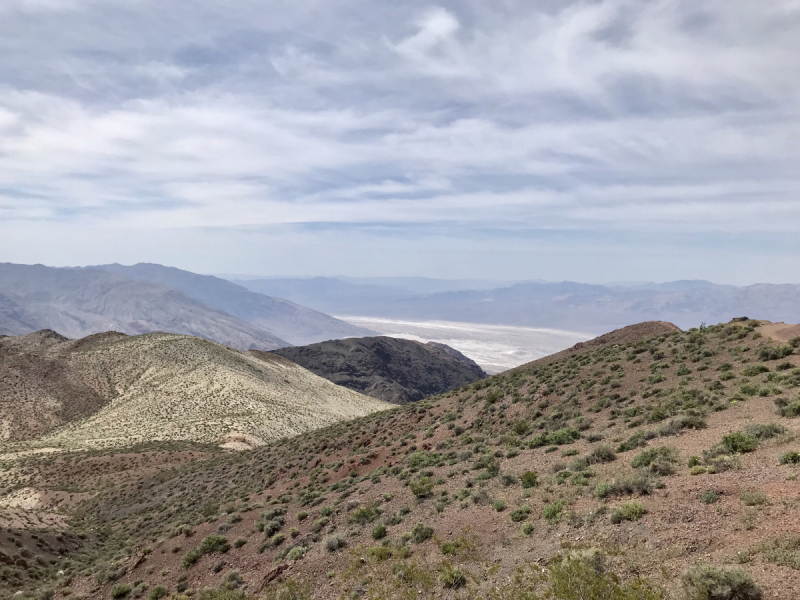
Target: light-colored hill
<point x="156" y="387"/>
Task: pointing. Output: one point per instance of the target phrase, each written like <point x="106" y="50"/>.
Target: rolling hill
<point x="113" y="390"/>
<point x="391" y="369"/>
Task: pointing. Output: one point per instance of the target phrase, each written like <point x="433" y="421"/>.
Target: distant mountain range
<point x="146" y="298"/>
<point x="565" y="305"/>
<point x="391" y="369"/>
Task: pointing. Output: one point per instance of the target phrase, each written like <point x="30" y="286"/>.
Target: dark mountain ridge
<point x="391" y="369"/>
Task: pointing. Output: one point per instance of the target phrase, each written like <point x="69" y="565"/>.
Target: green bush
<point x="763" y="432"/>
<point x="709" y="497"/>
<point x="499" y="505"/>
<point x="704" y="582"/>
<point x="365" y="515"/>
<point x="520" y="514"/>
<point x="789" y="458"/>
<point x="422" y="487"/>
<point x="157" y="592"/>
<point x="567" y="435"/>
<point x="378" y="532"/>
<point x="602" y="454"/>
<point x="753" y="370"/>
<point x="552" y="512"/>
<point x="630" y="511"/>
<point x="296" y="553"/>
<point x="783" y="551"/>
<point x="220" y="595"/>
<point x="659" y="460"/>
<point x="213" y="544"/>
<point x="421" y="533"/>
<point x="451" y="577"/>
<point x="738" y="442"/>
<point x="528" y="479"/>
<point x="774" y="352"/>
<point x="578" y="576"/>
<point x="788" y="409"/>
<point x="753" y="498"/>
<point x="121" y="590"/>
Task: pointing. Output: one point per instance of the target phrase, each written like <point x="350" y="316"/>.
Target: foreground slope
<point x="287" y="320"/>
<point x="391" y="369"/>
<point x="80" y="302"/>
<point x="113" y="390"/>
<point x="657" y="449"/>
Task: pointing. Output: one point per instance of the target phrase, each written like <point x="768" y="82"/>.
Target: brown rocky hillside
<point x="650" y="463"/>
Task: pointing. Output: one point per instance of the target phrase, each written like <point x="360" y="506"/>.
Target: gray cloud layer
<point x="525" y="138"/>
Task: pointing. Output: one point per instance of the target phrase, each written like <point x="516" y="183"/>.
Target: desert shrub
<point x="296" y="553"/>
<point x="641" y="484"/>
<point x="520" y="514"/>
<point x="678" y="424"/>
<point x="233" y="580"/>
<point x="753" y="370"/>
<point x="602" y="454"/>
<point x="783" y="551"/>
<point x="635" y="441"/>
<point x="120" y="590"/>
<point x="239" y="542"/>
<point x="552" y="512"/>
<point x="157" y="592"/>
<point x="319" y="524"/>
<point x="566" y="435"/>
<point x="753" y="498"/>
<point x="630" y="511"/>
<point x="704" y="582"/>
<point x="302" y="515"/>
<point x="365" y="515"/>
<point x="499" y="505"/>
<point x="220" y="595"/>
<point x="278" y="539"/>
<point x="738" y="442"/>
<point x="289" y="590"/>
<point x="788" y="408"/>
<point x="421" y="487"/>
<point x="421" y="459"/>
<point x="527" y="528"/>
<point x="659" y="460"/>
<point x="421" y="533"/>
<point x="578" y="576"/>
<point x="774" y="352"/>
<point x="451" y="577"/>
<point x="789" y="458"/>
<point x="528" y="479"/>
<point x="334" y="543"/>
<point x="379" y="532"/>
<point x="380" y="553"/>
<point x="211" y="545"/>
<point x="763" y="432"/>
<point x="709" y="497"/>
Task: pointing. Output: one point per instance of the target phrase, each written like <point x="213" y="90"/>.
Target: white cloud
<point x="618" y="115"/>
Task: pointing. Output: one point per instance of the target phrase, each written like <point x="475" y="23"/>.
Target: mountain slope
<point x="112" y="390"/>
<point x="287" y="320"/>
<point x="394" y="370"/>
<point x="585" y="456"/>
<point x="79" y="302"/>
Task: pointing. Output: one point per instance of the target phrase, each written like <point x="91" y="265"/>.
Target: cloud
<point x="667" y="116"/>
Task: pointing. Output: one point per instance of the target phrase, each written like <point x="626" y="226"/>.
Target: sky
<point x="594" y="141"/>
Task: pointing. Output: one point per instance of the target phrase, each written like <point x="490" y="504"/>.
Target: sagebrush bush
<point x="704" y="582"/>
<point x="630" y="511"/>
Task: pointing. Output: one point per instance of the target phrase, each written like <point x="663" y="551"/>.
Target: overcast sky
<point x="591" y="141"/>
